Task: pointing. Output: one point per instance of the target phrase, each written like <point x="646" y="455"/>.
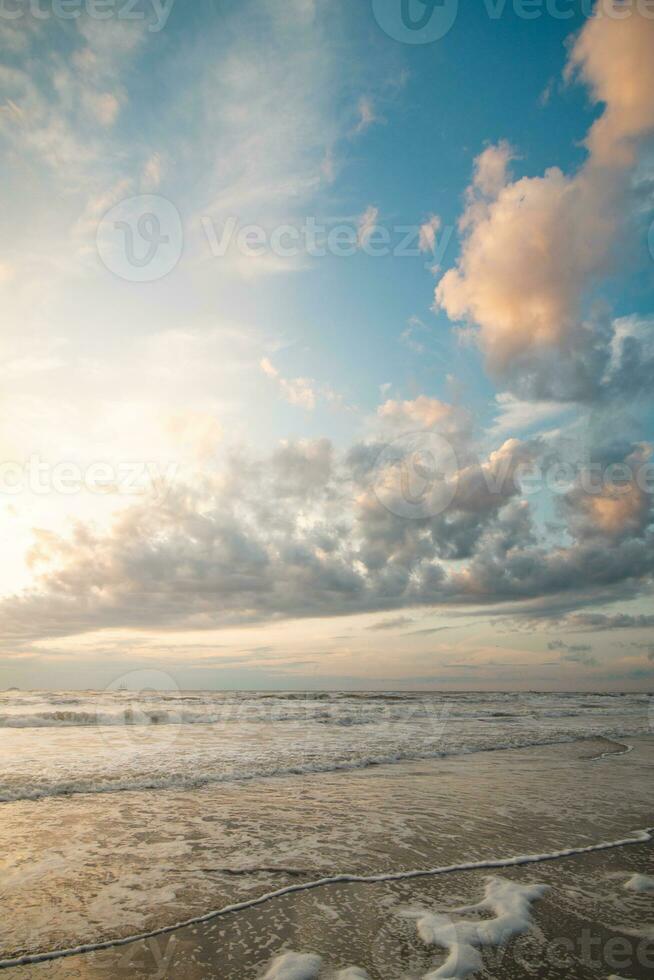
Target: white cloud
<point x="296" y="391"/>
<point x="152" y="172"/>
<point x="428" y="232"/>
<point x="516" y="415"/>
<point x="367" y="224"/>
<point x="532" y="247"/>
<point x="366" y="114"/>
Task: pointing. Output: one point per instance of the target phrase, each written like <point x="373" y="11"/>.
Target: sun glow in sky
<point x="327" y="348"/>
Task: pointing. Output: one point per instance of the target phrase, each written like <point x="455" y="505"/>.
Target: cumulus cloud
<point x="491" y="168"/>
<point x="616" y="506"/>
<point x="613" y="55"/>
<point x="532" y="247"/>
<point x="302" y="533"/>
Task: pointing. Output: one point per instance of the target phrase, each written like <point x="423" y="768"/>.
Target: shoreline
<point x="644" y="836"/>
<point x="442" y="808"/>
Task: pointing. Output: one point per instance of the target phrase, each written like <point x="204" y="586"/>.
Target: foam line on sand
<point x="639" y="837"/>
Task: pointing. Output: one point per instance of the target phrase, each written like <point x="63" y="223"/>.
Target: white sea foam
<point x="352" y="973"/>
<point x="256" y="769"/>
<point x="464" y="937"/>
<point x="294" y="966"/>
<point x="643" y="884"/>
<point x="638" y="837"/>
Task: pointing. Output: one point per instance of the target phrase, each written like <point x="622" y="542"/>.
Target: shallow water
<point x="72" y="742"/>
<point x="109" y="830"/>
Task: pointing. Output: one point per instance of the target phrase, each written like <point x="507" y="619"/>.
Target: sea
<point x="139" y="816"/>
<point x="70" y="742"/>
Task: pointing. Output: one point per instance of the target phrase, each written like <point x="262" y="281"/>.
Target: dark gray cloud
<point x="575" y="648"/>
<point x="610" y="621"/>
<point x="579" y="653"/>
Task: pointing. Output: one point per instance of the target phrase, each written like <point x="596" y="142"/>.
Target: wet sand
<point x="268" y="834"/>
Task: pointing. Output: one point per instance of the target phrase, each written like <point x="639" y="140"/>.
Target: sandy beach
<point x="201" y="851"/>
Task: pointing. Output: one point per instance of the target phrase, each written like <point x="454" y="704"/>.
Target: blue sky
<point x="197" y="472"/>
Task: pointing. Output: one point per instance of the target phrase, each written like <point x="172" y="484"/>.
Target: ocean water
<point x="122" y="813"/>
<point x="57" y="744"/>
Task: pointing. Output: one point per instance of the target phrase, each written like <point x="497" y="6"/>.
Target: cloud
<point x="366" y="114"/>
<point x="391" y="624"/>
<point x="422" y="412"/>
<point x="199" y="433"/>
<point x="613" y="55"/>
<point x="532" y="247"/>
<point x="301" y="533"/>
<point x="516" y="415"/>
<point x="648" y="647"/>
<point x="105" y="106"/>
<point x="152" y="173"/>
<point x="64" y="107"/>
<point x="580" y="653"/>
<point x="601" y="622"/>
<point x="428" y="232"/>
<point x="617" y="507"/>
<point x="296" y="391"/>
<point x="366" y="225"/>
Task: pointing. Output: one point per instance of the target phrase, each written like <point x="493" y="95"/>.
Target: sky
<point x="327" y="344"/>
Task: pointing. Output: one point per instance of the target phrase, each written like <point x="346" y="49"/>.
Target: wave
<point x="266" y="712"/>
<point x="128" y="716"/>
<point x="146" y="717"/>
<point x="179" y="782"/>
